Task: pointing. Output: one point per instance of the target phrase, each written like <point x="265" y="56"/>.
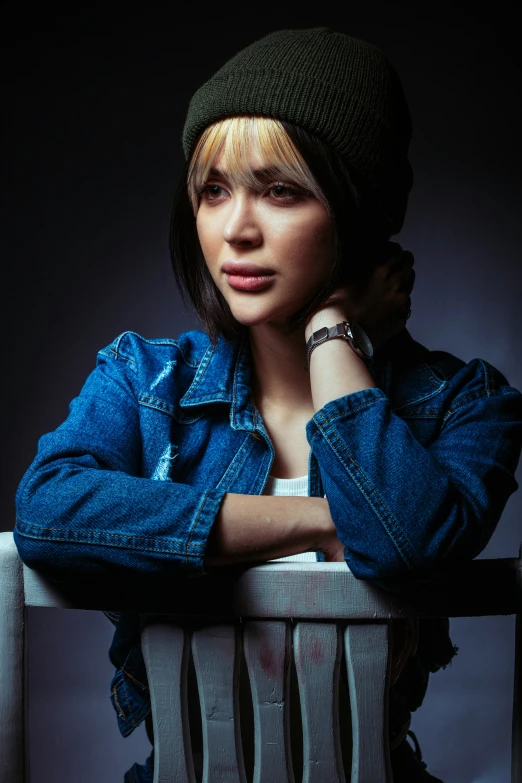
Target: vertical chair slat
<point x="268" y="652"/>
<point x="166" y="649"/>
<point x="317" y="651"/>
<point x="516" y="739"/>
<point x="516" y="744"/>
<point x="217" y="651"/>
<point x="367" y="662"/>
<point x="12" y="727"/>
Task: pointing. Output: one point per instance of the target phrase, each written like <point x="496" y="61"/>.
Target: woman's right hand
<point x="383" y="303"/>
<point x="380" y="304"/>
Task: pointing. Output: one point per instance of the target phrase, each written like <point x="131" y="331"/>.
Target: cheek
<point x="208" y="236"/>
<point x="310" y="243"/>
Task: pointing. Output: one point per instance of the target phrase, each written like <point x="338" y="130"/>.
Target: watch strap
<point x="341" y="330"/>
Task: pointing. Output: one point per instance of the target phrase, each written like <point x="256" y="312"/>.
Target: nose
<point x="242" y="227"/>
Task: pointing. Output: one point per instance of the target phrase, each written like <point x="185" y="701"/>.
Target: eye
<point x="282" y="192"/>
<point x="211" y="192"/>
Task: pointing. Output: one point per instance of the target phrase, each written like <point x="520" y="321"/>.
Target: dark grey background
<point x="95" y="103"/>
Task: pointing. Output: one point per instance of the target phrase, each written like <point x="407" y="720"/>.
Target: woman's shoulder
<point x="163" y="367"/>
<point x="420" y="372"/>
<point x="138" y="351"/>
<point x="160" y="372"/>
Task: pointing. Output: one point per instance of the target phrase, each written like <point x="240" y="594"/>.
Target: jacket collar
<point x="223" y="375"/>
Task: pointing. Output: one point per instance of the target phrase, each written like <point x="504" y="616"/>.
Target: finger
<point x="409" y="282"/>
<point x="405" y="310"/>
<point x="405" y="276"/>
<point x="405" y="263"/>
<point x="400" y="265"/>
<point x="408" y="257"/>
<point x="393" y="250"/>
<point x="388" y="257"/>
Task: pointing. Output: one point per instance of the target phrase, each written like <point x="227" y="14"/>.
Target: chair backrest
<point x="312" y="613"/>
<point x="268" y="649"/>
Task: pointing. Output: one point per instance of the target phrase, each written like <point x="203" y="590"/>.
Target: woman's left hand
<point x="381" y="305"/>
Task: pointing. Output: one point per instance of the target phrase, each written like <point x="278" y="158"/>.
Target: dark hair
<point x="363" y="229"/>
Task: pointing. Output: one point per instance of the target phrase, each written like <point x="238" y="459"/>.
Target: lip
<point x="245" y="276"/>
<point x="245" y="269"/>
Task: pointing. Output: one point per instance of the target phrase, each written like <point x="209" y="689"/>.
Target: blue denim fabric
<point x="141" y="773"/>
<point x="417" y="470"/>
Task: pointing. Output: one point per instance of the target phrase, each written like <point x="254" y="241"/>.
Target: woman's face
<point x="268" y="248"/>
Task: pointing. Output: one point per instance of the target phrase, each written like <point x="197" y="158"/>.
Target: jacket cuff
<point x="343" y="407"/>
<point x="199" y="532"/>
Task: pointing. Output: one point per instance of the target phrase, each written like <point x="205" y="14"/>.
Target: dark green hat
<point x="339" y="88"/>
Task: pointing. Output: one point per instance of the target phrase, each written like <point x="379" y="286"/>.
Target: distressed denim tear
<point x="163" y="470"/>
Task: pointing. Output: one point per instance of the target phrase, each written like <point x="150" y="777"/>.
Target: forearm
<point x="335" y="371"/>
<point x="381" y="305"/>
<point x="404" y="500"/>
<point x="259" y="527"/>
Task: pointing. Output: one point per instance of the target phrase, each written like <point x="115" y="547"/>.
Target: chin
<point x="252" y="319"/>
<point x="254" y="313"/>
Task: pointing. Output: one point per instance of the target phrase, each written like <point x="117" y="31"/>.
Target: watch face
<point x="362" y="340"/>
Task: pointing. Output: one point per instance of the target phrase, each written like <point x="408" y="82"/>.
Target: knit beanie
<point x="339" y="88"/>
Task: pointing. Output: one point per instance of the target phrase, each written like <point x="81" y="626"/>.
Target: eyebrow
<point x="269" y="172"/>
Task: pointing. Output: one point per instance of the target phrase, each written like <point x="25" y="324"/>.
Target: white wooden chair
<point x="253" y="607"/>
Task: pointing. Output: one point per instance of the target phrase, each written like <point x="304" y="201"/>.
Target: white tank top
<point x="293" y="487"/>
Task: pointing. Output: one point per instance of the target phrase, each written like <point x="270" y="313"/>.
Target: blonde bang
<point x="235" y="137"/>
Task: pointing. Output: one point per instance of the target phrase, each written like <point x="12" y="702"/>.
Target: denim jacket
<point x="417" y="471"/>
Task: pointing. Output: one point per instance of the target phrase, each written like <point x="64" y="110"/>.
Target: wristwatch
<point x="353" y="333"/>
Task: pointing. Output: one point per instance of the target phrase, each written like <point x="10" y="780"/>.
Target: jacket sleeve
<point x="402" y="508"/>
<point x="82" y="507"/>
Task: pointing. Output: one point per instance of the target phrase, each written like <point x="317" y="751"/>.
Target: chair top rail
<point x="279" y="590"/>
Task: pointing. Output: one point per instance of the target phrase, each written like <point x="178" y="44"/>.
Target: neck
<point x="279" y="362"/>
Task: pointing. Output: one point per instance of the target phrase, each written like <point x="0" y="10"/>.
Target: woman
<point x="304" y="419"/>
